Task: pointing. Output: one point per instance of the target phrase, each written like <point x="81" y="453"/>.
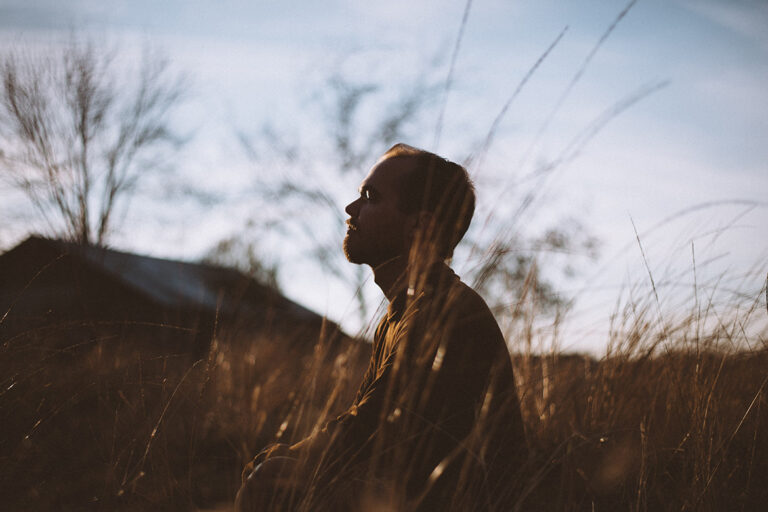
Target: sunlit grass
<point x="670" y="418"/>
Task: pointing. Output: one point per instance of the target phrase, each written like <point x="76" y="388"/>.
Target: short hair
<point x="438" y="186"/>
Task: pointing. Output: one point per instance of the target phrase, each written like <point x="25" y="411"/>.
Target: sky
<point x="684" y="169"/>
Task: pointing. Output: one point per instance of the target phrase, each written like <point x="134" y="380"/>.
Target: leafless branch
<point x="77" y="132"/>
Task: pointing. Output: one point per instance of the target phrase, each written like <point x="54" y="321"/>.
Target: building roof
<point x="167" y="283"/>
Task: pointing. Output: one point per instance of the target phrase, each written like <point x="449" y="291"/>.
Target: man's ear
<point x="419" y="226"/>
<point x="425" y="222"/>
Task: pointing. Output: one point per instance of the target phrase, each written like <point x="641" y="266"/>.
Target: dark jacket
<point x="436" y="418"/>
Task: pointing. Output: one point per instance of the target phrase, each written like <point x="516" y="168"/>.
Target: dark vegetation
<point x="92" y="422"/>
<point x="98" y="423"/>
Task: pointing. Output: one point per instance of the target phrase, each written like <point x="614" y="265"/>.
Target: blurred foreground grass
<point x="670" y="420"/>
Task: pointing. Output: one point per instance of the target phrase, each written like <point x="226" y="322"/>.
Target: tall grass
<point x="92" y="418"/>
<point x="669" y="418"/>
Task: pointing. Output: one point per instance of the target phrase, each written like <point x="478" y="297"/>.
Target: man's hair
<point x="440" y="187"/>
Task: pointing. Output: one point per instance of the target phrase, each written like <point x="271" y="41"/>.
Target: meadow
<point x="670" y="418"/>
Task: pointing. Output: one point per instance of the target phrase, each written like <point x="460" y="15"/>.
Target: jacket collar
<point x="439" y="276"/>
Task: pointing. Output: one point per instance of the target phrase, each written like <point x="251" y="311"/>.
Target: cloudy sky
<point x="686" y="164"/>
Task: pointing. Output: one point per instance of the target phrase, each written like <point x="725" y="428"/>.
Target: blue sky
<point x="702" y="139"/>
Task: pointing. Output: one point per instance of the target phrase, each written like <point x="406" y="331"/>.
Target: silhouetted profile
<point x="436" y="422"/>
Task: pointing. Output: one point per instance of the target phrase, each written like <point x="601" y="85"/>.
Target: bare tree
<point x="78" y="131"/>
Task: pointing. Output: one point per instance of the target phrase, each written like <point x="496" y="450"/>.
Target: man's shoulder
<point x="471" y="300"/>
<point x="473" y="334"/>
<point x="462" y="304"/>
<point x="460" y="296"/>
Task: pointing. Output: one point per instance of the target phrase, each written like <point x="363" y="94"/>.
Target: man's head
<point x="409" y="194"/>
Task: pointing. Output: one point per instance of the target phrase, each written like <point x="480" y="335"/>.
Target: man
<point x="436" y="422"/>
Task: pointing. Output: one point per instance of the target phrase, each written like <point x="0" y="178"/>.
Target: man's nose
<point x="351" y="208"/>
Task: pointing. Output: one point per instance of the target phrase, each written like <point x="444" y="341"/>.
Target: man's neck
<point x="392" y="276"/>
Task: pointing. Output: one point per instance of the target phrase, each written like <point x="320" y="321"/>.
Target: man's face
<point x="377" y="231"/>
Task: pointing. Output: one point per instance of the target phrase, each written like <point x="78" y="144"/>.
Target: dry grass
<point x="670" y="418"/>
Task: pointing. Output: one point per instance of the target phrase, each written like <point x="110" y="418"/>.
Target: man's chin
<point x="350" y="253"/>
<point x="351" y="258"/>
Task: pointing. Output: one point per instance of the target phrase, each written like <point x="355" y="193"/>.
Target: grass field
<point x="670" y="418"/>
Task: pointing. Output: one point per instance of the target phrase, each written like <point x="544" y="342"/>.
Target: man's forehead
<point x="387" y="172"/>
